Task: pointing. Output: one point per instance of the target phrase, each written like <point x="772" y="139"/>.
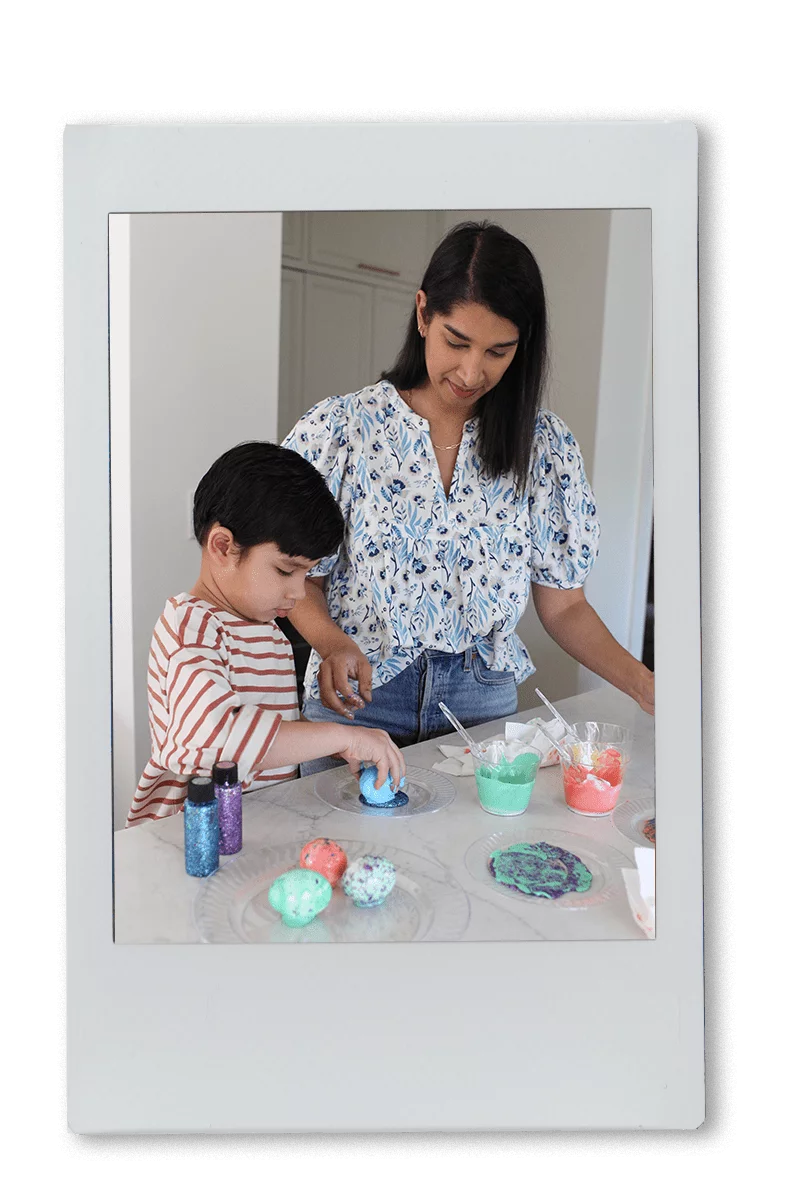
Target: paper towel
<point x="640" y="887"/>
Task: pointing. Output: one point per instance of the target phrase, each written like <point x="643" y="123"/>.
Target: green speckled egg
<point x="299" y="895"/>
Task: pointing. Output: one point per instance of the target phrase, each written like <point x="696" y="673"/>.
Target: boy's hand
<point x="373" y="746"/>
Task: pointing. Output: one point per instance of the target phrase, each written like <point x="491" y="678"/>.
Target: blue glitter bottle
<point x="201" y="828"/>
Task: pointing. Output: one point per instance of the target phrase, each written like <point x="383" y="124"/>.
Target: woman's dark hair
<point x="264" y="493"/>
<point x="480" y="263"/>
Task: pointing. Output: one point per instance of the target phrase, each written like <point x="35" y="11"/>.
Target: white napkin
<point x="640" y="887"/>
<point x="457" y="761"/>
<point x="518" y="738"/>
<point x="532" y="736"/>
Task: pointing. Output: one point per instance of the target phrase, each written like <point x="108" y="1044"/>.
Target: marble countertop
<point x="155" y="898"/>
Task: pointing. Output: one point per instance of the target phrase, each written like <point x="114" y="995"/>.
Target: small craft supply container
<point x="201" y="828"/>
<point x="505" y="789"/>
<point x="593" y="781"/>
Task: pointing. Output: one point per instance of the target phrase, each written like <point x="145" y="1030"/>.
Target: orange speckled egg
<point x="325" y="857"/>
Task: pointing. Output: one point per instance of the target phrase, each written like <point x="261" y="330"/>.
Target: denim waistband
<point x="466" y="655"/>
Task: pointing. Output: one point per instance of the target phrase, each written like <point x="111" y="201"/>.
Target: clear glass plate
<point x="629" y="819"/>
<point x="427" y="903"/>
<point x="603" y="862"/>
<point x="428" y="792"/>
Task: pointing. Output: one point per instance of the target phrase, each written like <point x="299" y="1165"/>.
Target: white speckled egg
<point x="369" y="880"/>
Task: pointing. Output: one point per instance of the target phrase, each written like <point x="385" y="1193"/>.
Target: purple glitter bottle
<point x="227" y="790"/>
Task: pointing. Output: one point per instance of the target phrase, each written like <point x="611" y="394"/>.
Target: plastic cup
<point x="505" y="790"/>
<point x="594" y="780"/>
<point x="603" y="733"/>
<point x="497" y="750"/>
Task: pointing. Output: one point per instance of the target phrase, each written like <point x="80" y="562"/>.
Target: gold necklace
<point x="435" y="444"/>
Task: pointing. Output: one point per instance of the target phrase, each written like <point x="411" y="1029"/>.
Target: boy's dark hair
<point x="264" y="493"/>
<point x="479" y="262"/>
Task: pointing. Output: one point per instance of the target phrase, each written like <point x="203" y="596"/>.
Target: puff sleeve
<point x="563" y="516"/>
<point x="321" y="437"/>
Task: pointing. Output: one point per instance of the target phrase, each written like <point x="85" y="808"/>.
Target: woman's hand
<point x="338" y="668"/>
<point x="373" y="745"/>
<point x="342" y="658"/>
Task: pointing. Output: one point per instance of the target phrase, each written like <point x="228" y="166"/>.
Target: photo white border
<point x="578" y="1035"/>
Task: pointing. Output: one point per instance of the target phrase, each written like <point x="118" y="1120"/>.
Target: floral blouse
<point x="421" y="570"/>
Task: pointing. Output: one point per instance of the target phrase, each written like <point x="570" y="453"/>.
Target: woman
<point x="460" y="498"/>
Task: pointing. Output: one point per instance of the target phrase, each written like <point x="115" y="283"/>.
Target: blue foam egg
<point x="382" y="797"/>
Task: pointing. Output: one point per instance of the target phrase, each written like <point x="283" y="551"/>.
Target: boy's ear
<point x="220" y="544"/>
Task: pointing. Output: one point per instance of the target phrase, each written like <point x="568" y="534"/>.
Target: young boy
<point x="221" y="679"/>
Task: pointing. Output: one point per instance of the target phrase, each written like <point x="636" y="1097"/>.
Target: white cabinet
<point x="294" y="235"/>
<point x="391" y="311"/>
<point x="337" y="332"/>
<point x="291" y="352"/>
<point x="393" y="245"/>
<point x="348" y="288"/>
<point x="335" y="337"/>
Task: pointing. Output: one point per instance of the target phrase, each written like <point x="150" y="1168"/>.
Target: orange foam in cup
<point x="593" y="791"/>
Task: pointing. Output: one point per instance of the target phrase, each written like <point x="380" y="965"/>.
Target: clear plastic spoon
<point x="473" y="746"/>
<point x="558" y="747"/>
<point x="570" y="731"/>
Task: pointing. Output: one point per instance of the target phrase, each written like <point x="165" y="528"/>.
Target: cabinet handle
<point x="380" y="270"/>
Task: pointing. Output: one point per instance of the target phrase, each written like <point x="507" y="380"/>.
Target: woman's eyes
<point x="462" y="346"/>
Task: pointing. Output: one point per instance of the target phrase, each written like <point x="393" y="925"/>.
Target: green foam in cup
<point x="506" y="789"/>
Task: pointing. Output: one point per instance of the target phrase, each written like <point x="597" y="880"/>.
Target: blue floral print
<point x="420" y="569"/>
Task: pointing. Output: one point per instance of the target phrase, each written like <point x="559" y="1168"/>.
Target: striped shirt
<point x="218" y="688"/>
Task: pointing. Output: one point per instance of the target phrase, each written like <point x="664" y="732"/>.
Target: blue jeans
<point x="407" y="706"/>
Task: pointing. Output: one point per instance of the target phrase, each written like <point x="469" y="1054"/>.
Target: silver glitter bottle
<point x="201" y="828"/>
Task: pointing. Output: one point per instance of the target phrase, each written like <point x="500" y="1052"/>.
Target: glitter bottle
<point x="227" y="790"/>
<point x="201" y="828"/>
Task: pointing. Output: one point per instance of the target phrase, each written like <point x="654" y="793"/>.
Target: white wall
<point x="623" y="447"/>
<point x="204" y="355"/>
<point x="124" y="763"/>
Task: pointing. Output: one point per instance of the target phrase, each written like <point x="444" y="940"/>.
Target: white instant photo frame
<point x="507" y="1036"/>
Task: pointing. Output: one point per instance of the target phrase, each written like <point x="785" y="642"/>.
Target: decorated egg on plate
<point x="299" y="895"/>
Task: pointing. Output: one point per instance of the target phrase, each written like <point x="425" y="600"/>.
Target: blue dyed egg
<point x="380" y="797"/>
